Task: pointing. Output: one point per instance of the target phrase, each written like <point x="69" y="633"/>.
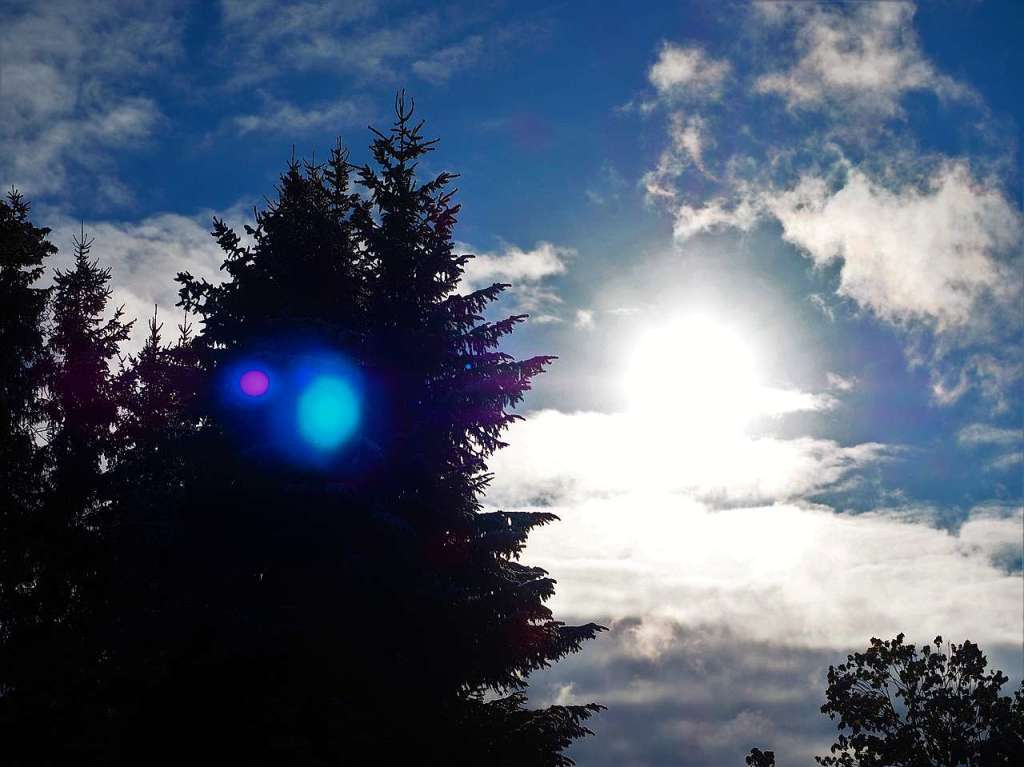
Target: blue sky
<point x="815" y="208"/>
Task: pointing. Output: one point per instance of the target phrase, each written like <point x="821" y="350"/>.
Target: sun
<point x="694" y="375"/>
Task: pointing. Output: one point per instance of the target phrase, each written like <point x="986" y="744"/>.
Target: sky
<point x="776" y="248"/>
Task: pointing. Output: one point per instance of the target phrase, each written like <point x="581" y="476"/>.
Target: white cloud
<point x="996" y="533"/>
<point x="715" y="215"/>
<point x="563" y="457"/>
<point x="1007" y="460"/>
<point x="285" y="117"/>
<point x="687" y="72"/>
<point x="144" y="257"/>
<point x="803" y="576"/>
<point x="927" y="254"/>
<point x="993" y="376"/>
<point x="861" y="60"/>
<point x="440" y="65"/>
<point x="584" y="319"/>
<point x="528" y="271"/>
<point x="985" y="434"/>
<point x="1003" y="445"/>
<point x="514" y="264"/>
<point x="689" y="140"/>
<point x="689" y="135"/>
<point x="374" y="41"/>
<point x="840" y="383"/>
<point x="62" y="101"/>
<point x="266" y="35"/>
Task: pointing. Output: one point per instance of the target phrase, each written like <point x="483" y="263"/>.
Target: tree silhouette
<point x="183" y="581"/>
<point x="897" y="706"/>
<point x="759" y="758"/>
<point x="900" y="707"/>
<point x="360" y="608"/>
<point x="51" y="667"/>
<point x="23" y="250"/>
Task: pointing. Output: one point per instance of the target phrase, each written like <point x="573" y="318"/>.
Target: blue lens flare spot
<point x="328" y="412"/>
<point x="254" y="383"/>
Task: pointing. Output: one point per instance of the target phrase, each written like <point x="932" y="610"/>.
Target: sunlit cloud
<point x="687" y="72"/>
<point x="861" y="59"/>
<point x="556" y="458"/>
<point x="145" y="256"/>
<point x="529" y="272"/>
<point x="908" y="253"/>
<point x="795" y="574"/>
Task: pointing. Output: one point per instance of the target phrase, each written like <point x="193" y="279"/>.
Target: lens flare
<point x="254" y="383"/>
<point x="328" y="412"/>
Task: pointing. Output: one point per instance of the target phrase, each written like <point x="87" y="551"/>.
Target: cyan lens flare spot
<point x="254" y="383"/>
<point x="328" y="412"/>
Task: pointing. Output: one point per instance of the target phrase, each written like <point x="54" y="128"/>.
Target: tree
<point x="897" y="706"/>
<point x="23" y="250"/>
<point x="81" y="416"/>
<point x="146" y="478"/>
<point x="359" y="607"/>
<point x="51" y="668"/>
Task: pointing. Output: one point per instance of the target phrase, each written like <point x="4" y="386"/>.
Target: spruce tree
<point x="23" y="250"/>
<point x="80" y="410"/>
<point x="53" y="668"/>
<point x="361" y="609"/>
<point x="145" y="481"/>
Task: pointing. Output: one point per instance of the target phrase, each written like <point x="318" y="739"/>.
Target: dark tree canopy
<point x="759" y="758"/>
<point x="50" y="665"/>
<point x="897" y="706"/>
<point x="223" y="596"/>
<point x="398" y="604"/>
<point x="23" y="250"/>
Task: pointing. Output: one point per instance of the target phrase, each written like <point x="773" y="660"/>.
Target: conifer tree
<point x="52" y="667"/>
<point x="145" y="479"/>
<point x="81" y="404"/>
<point x="362" y="610"/>
<point x="23" y="251"/>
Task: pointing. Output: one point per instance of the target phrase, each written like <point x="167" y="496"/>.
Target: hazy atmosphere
<point x="775" y="247"/>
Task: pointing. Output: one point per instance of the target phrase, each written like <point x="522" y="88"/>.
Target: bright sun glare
<point x="694" y="375"/>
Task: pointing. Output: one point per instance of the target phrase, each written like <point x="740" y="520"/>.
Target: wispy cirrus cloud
<point x="439" y="66"/>
<point x="528" y="272"/>
<point x="69" y="93"/>
<point x="1004" y="446"/>
<point x="986" y="434"/>
<point x="371" y="40"/>
<point x="283" y="117"/>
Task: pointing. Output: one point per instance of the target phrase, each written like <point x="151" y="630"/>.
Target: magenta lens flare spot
<point x="254" y="383"/>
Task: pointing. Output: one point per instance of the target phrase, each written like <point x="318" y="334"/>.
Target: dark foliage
<point x="51" y="668"/>
<point x="759" y="758"/>
<point x="395" y="608"/>
<point x="23" y="250"/>
<point x="897" y="706"/>
<point x="901" y="707"/>
<point x="210" y="599"/>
